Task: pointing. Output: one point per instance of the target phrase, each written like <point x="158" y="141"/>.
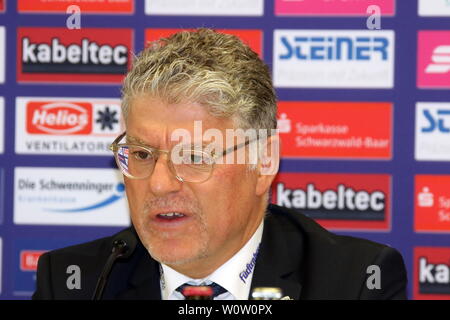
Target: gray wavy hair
<point x="214" y="69"/>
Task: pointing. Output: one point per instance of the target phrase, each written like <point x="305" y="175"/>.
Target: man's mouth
<point x="170" y="216"/>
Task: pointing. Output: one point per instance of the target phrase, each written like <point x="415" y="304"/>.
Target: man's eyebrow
<point x="135" y="140"/>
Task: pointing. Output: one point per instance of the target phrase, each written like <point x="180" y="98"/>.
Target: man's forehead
<point x="156" y="123"/>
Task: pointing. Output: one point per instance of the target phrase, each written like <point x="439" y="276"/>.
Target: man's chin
<point x="175" y="260"/>
<point x="173" y="255"/>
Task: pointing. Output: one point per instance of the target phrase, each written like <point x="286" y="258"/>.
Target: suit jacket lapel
<point x="139" y="276"/>
<point x="280" y="256"/>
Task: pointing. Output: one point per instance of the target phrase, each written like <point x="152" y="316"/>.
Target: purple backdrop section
<point x="402" y="167"/>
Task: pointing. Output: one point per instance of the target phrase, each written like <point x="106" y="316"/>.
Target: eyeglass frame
<point x="114" y="147"/>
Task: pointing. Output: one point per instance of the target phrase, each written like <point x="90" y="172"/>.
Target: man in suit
<point x="198" y="157"/>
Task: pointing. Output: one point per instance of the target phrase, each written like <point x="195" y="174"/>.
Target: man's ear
<point x="269" y="161"/>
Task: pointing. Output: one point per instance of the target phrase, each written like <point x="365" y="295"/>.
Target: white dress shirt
<point x="235" y="275"/>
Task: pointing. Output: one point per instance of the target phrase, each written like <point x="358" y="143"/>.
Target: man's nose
<point x="163" y="180"/>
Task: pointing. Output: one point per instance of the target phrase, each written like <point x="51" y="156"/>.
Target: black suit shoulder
<point x="335" y="266"/>
<point x="55" y="268"/>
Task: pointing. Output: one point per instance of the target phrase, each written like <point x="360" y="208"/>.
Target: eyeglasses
<point x="192" y="165"/>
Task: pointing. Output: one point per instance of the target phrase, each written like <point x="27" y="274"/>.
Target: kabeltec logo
<point x="69" y="196"/>
<point x="86" y="6"/>
<point x="431" y="273"/>
<point x="337" y="201"/>
<point x="335" y="130"/>
<point x="253" y="38"/>
<point x="332" y="8"/>
<point x="72" y="56"/>
<point x="434" y="8"/>
<point x="205" y="7"/>
<point x="84" y="126"/>
<point x="432" y="203"/>
<point x="333" y="58"/>
<point x="432" y="141"/>
<point x="433" y="59"/>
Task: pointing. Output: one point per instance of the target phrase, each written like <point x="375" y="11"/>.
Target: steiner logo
<point x="340" y="201"/>
<point x="55" y="55"/>
<point x="334" y="58"/>
<point x="432" y="273"/>
<point x="59" y="118"/>
<point x="338" y="48"/>
<point x="58" y="125"/>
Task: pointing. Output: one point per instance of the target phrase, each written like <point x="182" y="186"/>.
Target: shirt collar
<point x="235" y="275"/>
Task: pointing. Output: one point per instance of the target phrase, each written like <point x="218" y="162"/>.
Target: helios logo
<point x="85" y="55"/>
<point x="50" y="125"/>
<point x="432" y="273"/>
<point x="351" y="201"/>
<point x="334" y="58"/>
<point x="59" y="118"/>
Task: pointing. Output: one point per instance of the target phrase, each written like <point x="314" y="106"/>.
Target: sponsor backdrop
<point x="364" y="116"/>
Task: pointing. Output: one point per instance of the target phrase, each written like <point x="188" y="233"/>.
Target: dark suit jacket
<point x="296" y="254"/>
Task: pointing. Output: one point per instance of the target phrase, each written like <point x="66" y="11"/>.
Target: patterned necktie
<point x="217" y="289"/>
